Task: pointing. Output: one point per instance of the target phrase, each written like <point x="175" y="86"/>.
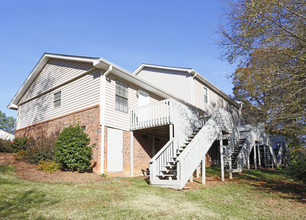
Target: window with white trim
<point x="57" y="99"/>
<point x="121" y="96"/>
<point x="205" y="95"/>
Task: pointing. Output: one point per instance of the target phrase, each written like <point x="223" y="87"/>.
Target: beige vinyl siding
<point x="55" y="73"/>
<point x="76" y="95"/>
<point x="215" y="101"/>
<point x="115" y="118"/>
<point x="175" y="82"/>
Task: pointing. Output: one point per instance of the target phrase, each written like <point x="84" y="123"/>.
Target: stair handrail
<point x="161" y="158"/>
<point x="195" y="151"/>
<point x="185" y="119"/>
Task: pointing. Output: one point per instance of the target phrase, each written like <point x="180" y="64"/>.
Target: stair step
<point x="173" y="158"/>
<point x="170" y="166"/>
<point x="166" y="175"/>
<point x="170" y="172"/>
<point x="162" y="176"/>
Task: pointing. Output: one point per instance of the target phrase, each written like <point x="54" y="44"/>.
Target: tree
<point x="267" y="40"/>
<point x="7" y="123"/>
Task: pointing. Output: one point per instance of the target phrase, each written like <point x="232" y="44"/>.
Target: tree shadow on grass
<point x="269" y="180"/>
<point x="16" y="206"/>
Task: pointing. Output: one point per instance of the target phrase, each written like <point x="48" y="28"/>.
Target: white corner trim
<point x="102" y="113"/>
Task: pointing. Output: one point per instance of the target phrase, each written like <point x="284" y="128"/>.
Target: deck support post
<point x="221" y="157"/>
<point x="268" y="156"/>
<point x="191" y="178"/>
<point x="255" y="157"/>
<point x="248" y="160"/>
<point x="259" y="156"/>
<point x="203" y="170"/>
<point x="170" y="131"/>
<point x="132" y="152"/>
<point x="265" y="156"/>
<point x="153" y="146"/>
<point x="272" y="159"/>
<point x="230" y="169"/>
<point x="198" y="171"/>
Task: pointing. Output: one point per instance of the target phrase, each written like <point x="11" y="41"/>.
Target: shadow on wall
<point x="37" y="109"/>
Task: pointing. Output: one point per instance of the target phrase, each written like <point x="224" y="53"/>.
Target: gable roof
<point x="192" y="72"/>
<point x="98" y="63"/>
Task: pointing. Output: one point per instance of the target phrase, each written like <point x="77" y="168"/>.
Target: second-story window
<point x="57" y="99"/>
<point x="121" y="96"/>
<point x="205" y="95"/>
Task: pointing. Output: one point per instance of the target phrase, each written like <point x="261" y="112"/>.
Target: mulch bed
<point x="30" y="172"/>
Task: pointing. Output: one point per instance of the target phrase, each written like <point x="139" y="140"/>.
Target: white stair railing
<point x="161" y="158"/>
<point x="193" y="154"/>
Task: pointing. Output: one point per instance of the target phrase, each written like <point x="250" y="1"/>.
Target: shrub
<point x="43" y="149"/>
<point x="72" y="150"/>
<point x="6" y="146"/>
<point x="48" y="166"/>
<point x="21" y="143"/>
<point x="21" y="155"/>
<point x="297" y="163"/>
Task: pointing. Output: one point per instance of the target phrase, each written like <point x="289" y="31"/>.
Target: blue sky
<point x="127" y="33"/>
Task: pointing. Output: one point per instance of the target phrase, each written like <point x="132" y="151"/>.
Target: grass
<point x="133" y="198"/>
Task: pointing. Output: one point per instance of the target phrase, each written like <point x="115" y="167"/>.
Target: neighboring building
<point x="167" y="117"/>
<point x="6" y="135"/>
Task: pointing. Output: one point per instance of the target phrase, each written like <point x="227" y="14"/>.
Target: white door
<point x="114" y="150"/>
<point x="143" y="98"/>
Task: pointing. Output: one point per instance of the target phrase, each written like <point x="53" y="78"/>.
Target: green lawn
<point x="257" y="195"/>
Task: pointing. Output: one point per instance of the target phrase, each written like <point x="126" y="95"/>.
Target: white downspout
<point x="102" y="112"/>
<point x="192" y="84"/>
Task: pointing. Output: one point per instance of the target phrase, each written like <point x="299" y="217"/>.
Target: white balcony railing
<point x="151" y="115"/>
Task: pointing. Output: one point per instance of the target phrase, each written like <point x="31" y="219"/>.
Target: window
<point x="57" y="99"/>
<point x="205" y="95"/>
<point x="121" y="96"/>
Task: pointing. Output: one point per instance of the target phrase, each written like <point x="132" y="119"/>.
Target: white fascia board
<point x="189" y="70"/>
<point x="41" y="63"/>
<point x="70" y="58"/>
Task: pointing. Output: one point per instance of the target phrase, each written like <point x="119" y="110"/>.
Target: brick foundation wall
<point x="88" y="117"/>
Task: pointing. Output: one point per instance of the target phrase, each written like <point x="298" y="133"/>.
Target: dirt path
<point x="30" y="172"/>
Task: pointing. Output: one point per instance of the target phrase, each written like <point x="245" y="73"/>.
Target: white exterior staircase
<point x="173" y="166"/>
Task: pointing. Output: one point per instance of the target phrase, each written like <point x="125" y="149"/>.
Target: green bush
<point x="72" y="150"/>
<point x="48" y="166"/>
<point x="21" y="143"/>
<point x="297" y="163"/>
<point x="44" y="149"/>
<point x="6" y="146"/>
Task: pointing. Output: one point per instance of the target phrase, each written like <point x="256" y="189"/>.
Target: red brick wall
<point x="88" y="117"/>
